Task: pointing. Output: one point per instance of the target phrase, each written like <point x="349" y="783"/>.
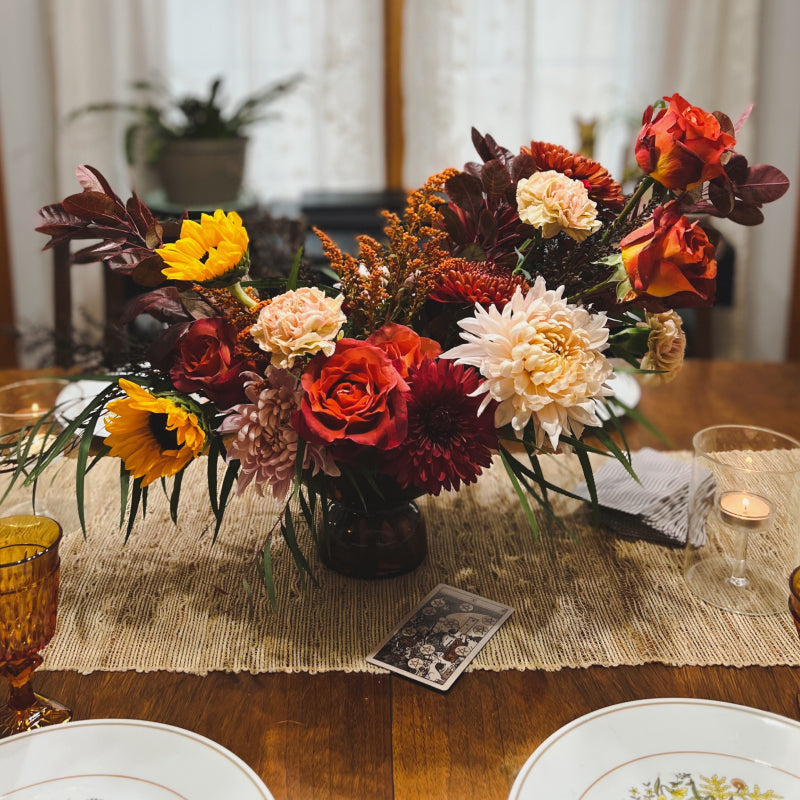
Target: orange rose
<point x="405" y="347"/>
<point x="355" y="395"/>
<point x="670" y="257"/>
<point x="682" y="146"/>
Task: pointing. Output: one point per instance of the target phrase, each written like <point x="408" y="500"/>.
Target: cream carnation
<point x="666" y="346"/>
<point x="265" y="443"/>
<point x="542" y="361"/>
<point x="298" y="323"/>
<point x="552" y="202"/>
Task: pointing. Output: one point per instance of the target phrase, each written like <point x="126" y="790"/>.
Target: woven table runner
<point x="172" y="599"/>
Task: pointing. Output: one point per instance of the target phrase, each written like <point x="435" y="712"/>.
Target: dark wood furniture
<point x="337" y="735"/>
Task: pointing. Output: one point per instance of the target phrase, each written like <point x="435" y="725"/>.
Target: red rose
<point x="682" y="145"/>
<point x="205" y="361"/>
<point x="670" y="257"/>
<point x="405" y="347"/>
<point x="354" y="395"/>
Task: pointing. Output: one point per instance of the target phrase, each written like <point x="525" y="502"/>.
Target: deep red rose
<point x="682" y="146"/>
<point x="405" y="347"/>
<point x="205" y="360"/>
<point x="670" y="258"/>
<point x="355" y="395"/>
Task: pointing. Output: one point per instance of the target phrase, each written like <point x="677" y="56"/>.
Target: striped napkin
<point x="654" y="509"/>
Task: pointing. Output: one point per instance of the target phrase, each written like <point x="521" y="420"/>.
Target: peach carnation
<point x="298" y="323"/>
<point x="552" y="202"/>
<point x="542" y="361"/>
<point x="666" y="346"/>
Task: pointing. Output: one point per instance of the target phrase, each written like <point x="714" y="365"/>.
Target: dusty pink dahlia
<point x="266" y="443"/>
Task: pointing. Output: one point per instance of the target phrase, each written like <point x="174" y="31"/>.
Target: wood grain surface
<point x="337" y="735"/>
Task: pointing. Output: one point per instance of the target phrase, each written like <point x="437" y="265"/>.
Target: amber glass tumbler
<point x="29" y="573"/>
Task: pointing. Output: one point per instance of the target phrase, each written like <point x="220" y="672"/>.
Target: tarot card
<point x="441" y="636"/>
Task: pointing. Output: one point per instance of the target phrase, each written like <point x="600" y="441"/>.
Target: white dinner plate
<point x="75" y="397"/>
<point x="122" y="759"/>
<point x="626" y="390"/>
<point x="621" y="752"/>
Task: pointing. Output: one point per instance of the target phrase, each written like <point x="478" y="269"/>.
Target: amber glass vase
<point x="371" y="528"/>
<point x="378" y="541"/>
<point x="29" y="572"/>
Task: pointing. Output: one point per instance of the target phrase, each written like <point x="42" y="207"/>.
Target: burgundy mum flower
<point x="447" y="443"/>
<point x="470" y="282"/>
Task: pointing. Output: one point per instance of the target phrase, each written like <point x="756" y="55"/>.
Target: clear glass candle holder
<point x="744" y="518"/>
<point x="24" y="403"/>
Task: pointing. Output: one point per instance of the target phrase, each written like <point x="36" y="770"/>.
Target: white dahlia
<point x="542" y="361"/>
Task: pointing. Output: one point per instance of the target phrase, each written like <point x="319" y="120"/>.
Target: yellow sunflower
<point x="212" y="252"/>
<point x="154" y="437"/>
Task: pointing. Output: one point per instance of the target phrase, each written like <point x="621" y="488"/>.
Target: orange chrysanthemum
<point x="470" y="282"/>
<point x="602" y="187"/>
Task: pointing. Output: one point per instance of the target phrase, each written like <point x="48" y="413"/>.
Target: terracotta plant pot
<point x="202" y="172"/>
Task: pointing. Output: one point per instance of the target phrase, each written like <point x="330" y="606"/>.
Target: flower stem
<point x="238" y="293"/>
<point x="646" y="183"/>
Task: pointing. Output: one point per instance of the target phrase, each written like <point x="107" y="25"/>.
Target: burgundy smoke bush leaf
<point x="488" y="149"/>
<point x="128" y="233"/>
<point x="466" y="192"/>
<point x="720" y="193"/>
<point x="92" y="180"/>
<point x="164" y="304"/>
<point x="746" y="214"/>
<point x="98" y="207"/>
<point x="453" y="226"/>
<point x="763" y="184"/>
<point x="495" y="179"/>
<point x="487" y="228"/>
<point x="147" y="271"/>
<point x="739" y="124"/>
<point x="523" y="167"/>
<point x="736" y="168"/>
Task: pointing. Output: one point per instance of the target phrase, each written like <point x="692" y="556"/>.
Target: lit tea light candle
<point x="744" y="509"/>
<point x="31" y="412"/>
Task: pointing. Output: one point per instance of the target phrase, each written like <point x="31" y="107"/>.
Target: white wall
<point x="777" y="117"/>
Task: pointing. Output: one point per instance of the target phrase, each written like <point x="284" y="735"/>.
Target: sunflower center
<point x="167" y="439"/>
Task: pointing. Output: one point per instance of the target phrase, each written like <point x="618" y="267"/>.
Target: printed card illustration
<point x="442" y="635"/>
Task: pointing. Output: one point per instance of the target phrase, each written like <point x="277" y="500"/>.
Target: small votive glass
<point x="744" y="518"/>
<point x="24" y="403"/>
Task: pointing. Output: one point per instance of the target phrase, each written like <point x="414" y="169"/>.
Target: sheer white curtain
<point x="59" y="55"/>
<point x="527" y="69"/>
<point x="329" y="132"/>
<point x="518" y="69"/>
<point x="55" y="56"/>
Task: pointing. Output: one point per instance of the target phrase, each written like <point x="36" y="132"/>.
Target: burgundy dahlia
<point x="447" y="443"/>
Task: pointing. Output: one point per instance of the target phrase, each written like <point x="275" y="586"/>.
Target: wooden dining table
<point x="379" y="736"/>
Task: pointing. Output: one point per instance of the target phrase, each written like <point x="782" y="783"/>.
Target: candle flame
<point x="34" y="407"/>
<point x="745" y="504"/>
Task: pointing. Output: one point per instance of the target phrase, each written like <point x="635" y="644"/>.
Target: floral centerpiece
<point x="484" y="324"/>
